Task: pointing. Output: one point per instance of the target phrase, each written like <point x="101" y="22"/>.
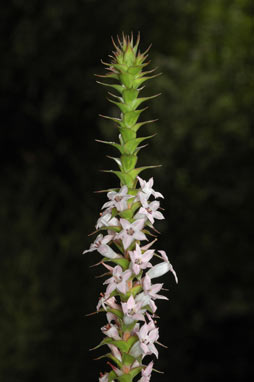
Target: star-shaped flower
<point x="131" y="231"/>
<point x="149" y="210"/>
<point x="132" y="311"/>
<point x="118" y="280"/>
<point x="152" y="289"/>
<point x="146" y="373"/>
<point x="105" y="300"/>
<point x="140" y="260"/>
<point x="118" y="199"/>
<point x="147" y="188"/>
<point x="146" y="299"/>
<point x="147" y="338"/>
<point x="100" y="245"/>
<point x="106" y="220"/>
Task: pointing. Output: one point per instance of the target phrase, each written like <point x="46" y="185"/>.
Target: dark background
<point x="49" y="169"/>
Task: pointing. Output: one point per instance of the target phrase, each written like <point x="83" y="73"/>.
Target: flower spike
<point x="124" y="227"/>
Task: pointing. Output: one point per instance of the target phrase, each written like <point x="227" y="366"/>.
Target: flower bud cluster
<point x="129" y="299"/>
<point x="124" y="229"/>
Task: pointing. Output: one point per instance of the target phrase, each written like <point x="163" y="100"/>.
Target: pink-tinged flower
<point x="132" y="311"/>
<point x="111" y="331"/>
<point x="130" y="232"/>
<point x="149" y="210"/>
<point x="115" y="351"/>
<point x="118" y="199"/>
<point x="147" y="246"/>
<point x="118" y="280"/>
<point x="159" y="270"/>
<point x="106" y="220"/>
<point x="147" y="338"/>
<point x="171" y="269"/>
<point x="146" y="373"/>
<point x="147" y="188"/>
<point x="152" y="289"/>
<point x="101" y="245"/>
<point x="140" y="260"/>
<point x="103" y="377"/>
<point x="146" y="300"/>
<point x="109" y="301"/>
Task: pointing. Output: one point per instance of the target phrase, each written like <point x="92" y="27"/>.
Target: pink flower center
<point x="130" y="231"/>
<point x="98" y="244"/>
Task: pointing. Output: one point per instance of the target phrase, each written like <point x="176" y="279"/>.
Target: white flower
<point x="152" y="289"/>
<point x="130" y="232"/>
<point x="146" y="300"/>
<point x="146" y="373"/>
<point x="111" y="331"/>
<point x="149" y="210"/>
<point x="100" y="245"/>
<point x="132" y="311"/>
<point x="171" y="269"/>
<point x="118" y="280"/>
<point x="116" y="352"/>
<point x="140" y="260"/>
<point x="147" y="337"/>
<point x="106" y="220"/>
<point x="158" y="270"/>
<point x="103" y="377"/>
<point x="105" y="300"/>
<point x="147" y="189"/>
<point x="118" y="199"/>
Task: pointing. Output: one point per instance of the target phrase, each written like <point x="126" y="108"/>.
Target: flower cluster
<point x="124" y="229"/>
<point x="130" y="296"/>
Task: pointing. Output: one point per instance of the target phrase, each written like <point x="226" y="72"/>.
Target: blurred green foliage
<point x="49" y="161"/>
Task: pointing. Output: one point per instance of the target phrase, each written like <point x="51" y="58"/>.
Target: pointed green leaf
<point x="131" y="117"/>
<point x="139" y="101"/>
<point x="140" y="81"/>
<point x="105" y="341"/>
<point x="124" y="107"/>
<point x="135" y="206"/>
<point x="125" y="378"/>
<point x="117" y="160"/>
<point x="108" y="75"/>
<point x="117" y="87"/>
<point x="124" y="263"/>
<point x="125" y="179"/>
<point x="110" y="356"/>
<point x="111" y="228"/>
<point x="126" y="214"/>
<point x="112" y="375"/>
<point x="130" y="146"/>
<point x="128" y="359"/>
<point x="125" y="346"/>
<point x="116" y="145"/>
<point x="138" y="125"/>
<point x="134" y="173"/>
<point x="117" y="312"/>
